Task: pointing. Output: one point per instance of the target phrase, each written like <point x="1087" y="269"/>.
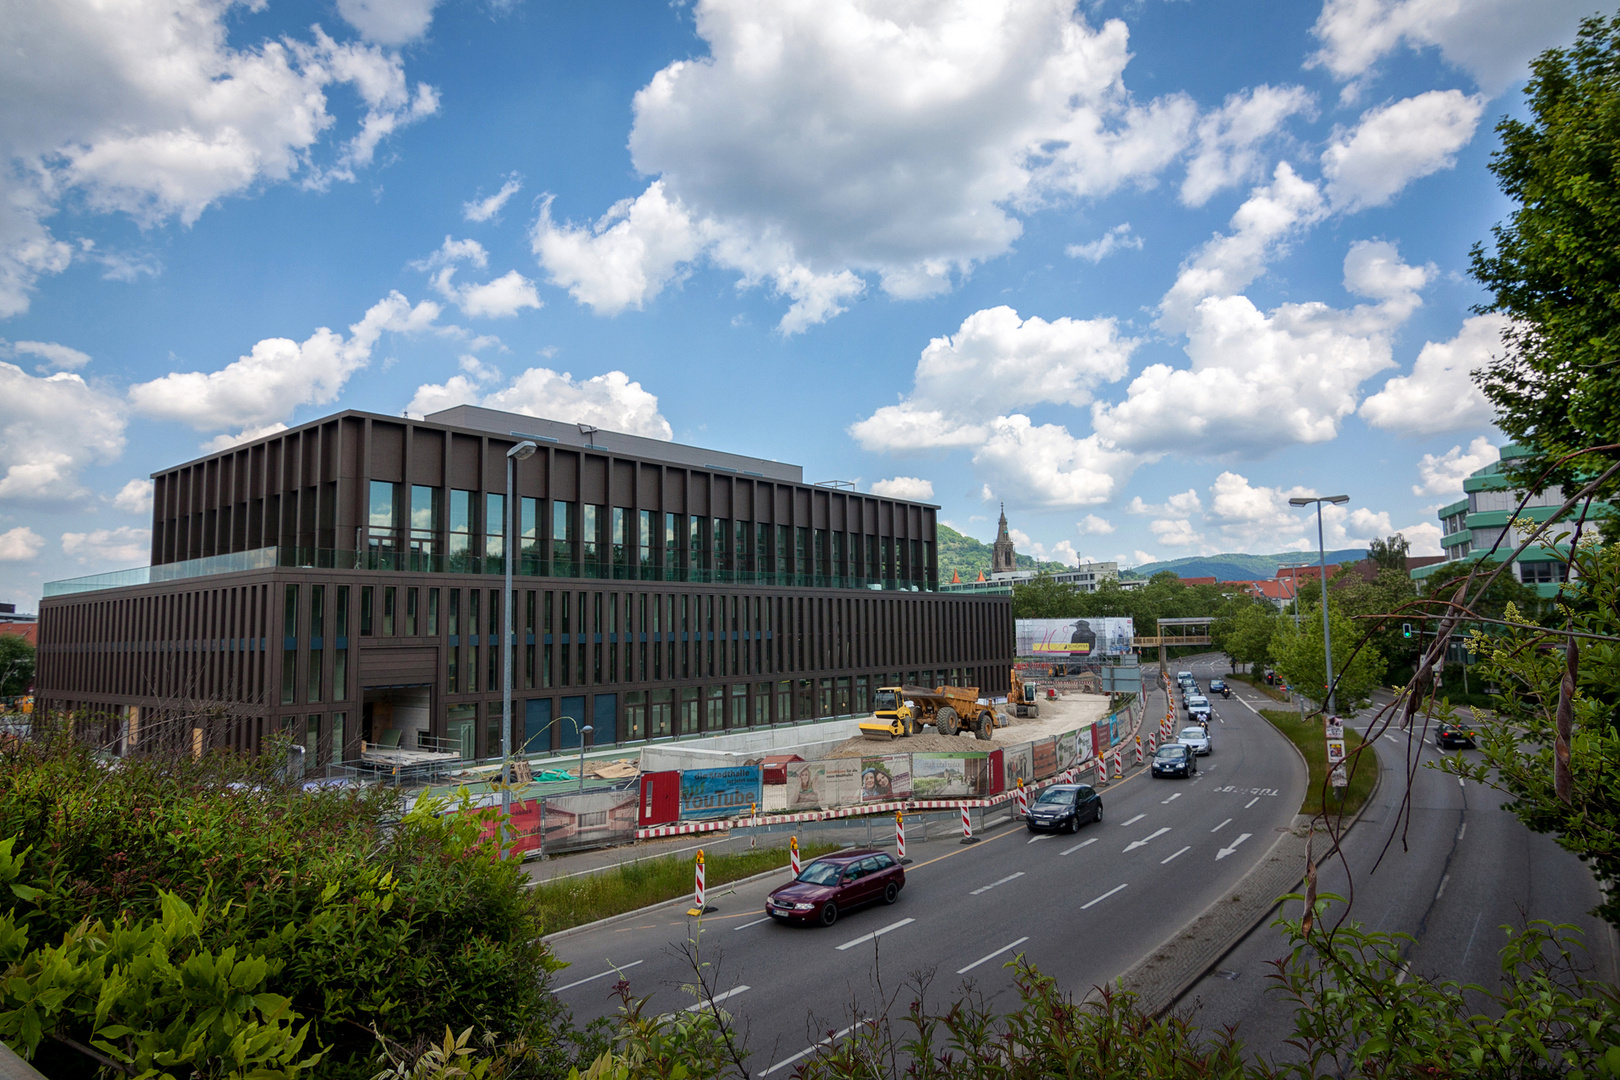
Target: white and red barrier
<point x="1023" y="799"/>
<point x="1119" y="765"/>
<point x="697" y="902"/>
<point x="967" y="827"/>
<point x="793" y="854"/>
<point x="900" y="836"/>
<point x="1153" y="742"/>
<point x="1139" y="751"/>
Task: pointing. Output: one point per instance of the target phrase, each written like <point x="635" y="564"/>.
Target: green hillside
<point x="1238" y="567"/>
<point x="968" y="557"/>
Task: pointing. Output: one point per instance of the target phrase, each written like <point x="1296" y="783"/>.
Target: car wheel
<point x="891" y="893"/>
<point x="1072" y="826"/>
<point x="829" y="914"/>
<point x="1098" y="818"/>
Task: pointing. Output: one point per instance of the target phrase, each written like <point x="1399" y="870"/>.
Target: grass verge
<point x="1259" y="684"/>
<point x="575" y="901"/>
<point x="1308" y="737"/>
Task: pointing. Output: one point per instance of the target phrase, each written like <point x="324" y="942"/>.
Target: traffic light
<point x="1406" y="629"/>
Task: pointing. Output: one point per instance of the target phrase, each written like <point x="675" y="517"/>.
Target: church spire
<point x="1003" y="559"/>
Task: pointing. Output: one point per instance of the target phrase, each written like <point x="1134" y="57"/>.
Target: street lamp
<point x="1321" y="554"/>
<point x="584" y="731"/>
<point x="521" y="452"/>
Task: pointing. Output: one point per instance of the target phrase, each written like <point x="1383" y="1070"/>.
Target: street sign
<point x="1335" y="752"/>
<point x="1335" y="727"/>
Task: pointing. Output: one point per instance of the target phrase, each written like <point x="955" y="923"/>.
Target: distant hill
<point x="968" y="557"/>
<point x="1237" y="567"/>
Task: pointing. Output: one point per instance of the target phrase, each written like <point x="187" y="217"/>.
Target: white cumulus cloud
<point x="502" y="297"/>
<point x="1175" y="533"/>
<point x="1230" y="139"/>
<point x="20" y="544"/>
<point x="1444" y="475"/>
<point x="388" y="22"/>
<point x="1395" y="144"/>
<point x="865" y="136"/>
<point x="1092" y="525"/>
<point x="135" y="497"/>
<point x="1439" y="395"/>
<point x="279" y="374"/>
<point x="148" y="108"/>
<point x="56" y="356"/>
<point x="487" y="207"/>
<point x="52" y="427"/>
<point x="1115" y="239"/>
<point x="904" y="487"/>
<point x="610" y="401"/>
<point x="123" y="546"/>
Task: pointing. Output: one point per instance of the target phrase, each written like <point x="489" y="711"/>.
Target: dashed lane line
<point x="1222" y="825"/>
<point x="1171" y="799"/>
<point x="1104" y="896"/>
<point x="993" y="884"/>
<point x="598" y="975"/>
<point x="756" y="922"/>
<point x="1133" y="820"/>
<point x="864" y="938"/>
<point x="1078" y="846"/>
<point x="992" y="956"/>
<point x="1251" y="802"/>
<point x="1183" y="851"/>
<point x="705" y="1003"/>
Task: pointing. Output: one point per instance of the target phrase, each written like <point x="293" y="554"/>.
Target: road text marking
<point x="1103" y="897"/>
<point x="1183" y="851"/>
<point x="1233" y="846"/>
<point x="1133" y="820"/>
<point x="992" y="956"/>
<point x="1078" y="846"/>
<point x="593" y="978"/>
<point x="701" y="1005"/>
<point x="993" y="884"/>
<point x="1134" y="844"/>
<point x="1222" y="825"/>
<point x="864" y="938"/>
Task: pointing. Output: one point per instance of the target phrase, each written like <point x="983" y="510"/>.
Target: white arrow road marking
<point x="1103" y="897"/>
<point x="1133" y="820"/>
<point x="1183" y="851"/>
<point x="701" y="1005"/>
<point x="1078" y="846"/>
<point x="992" y="956"/>
<point x="785" y="1062"/>
<point x="864" y="938"/>
<point x="993" y="884"/>
<point x="1042" y="836"/>
<point x="1134" y="844"/>
<point x="756" y="922"/>
<point x="1222" y="825"/>
<point x="599" y="975"/>
<point x="1233" y="846"/>
<point x="1171" y="799"/>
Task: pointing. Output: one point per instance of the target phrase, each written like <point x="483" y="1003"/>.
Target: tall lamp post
<point x="521" y="452"/>
<point x="1321" y="554"/>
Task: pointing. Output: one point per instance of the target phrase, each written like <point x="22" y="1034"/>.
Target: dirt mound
<point x="1064" y="714"/>
<point x="928" y="742"/>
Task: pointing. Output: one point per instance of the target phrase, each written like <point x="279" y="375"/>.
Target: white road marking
<point x="701" y="1005"/>
<point x="1225" y="851"/>
<point x="1251" y="802"/>
<point x="992" y="956"/>
<point x="593" y="978"/>
<point x="1462" y="829"/>
<point x="1042" y="836"/>
<point x="1104" y="896"/>
<point x="1441" y="891"/>
<point x="1134" y="844"/>
<point x="1078" y="846"/>
<point x="864" y="938"/>
<point x="785" y="1062"/>
<point x="1133" y="820"/>
<point x="756" y="922"/>
<point x="1183" y="851"/>
<point x="1406" y="969"/>
<point x="1171" y="799"/>
<point x="1391" y="738"/>
<point x="993" y="884"/>
<point x="1459" y="781"/>
<point x="1222" y="825"/>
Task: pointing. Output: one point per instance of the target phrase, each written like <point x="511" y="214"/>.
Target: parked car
<point x="834" y="884"/>
<point x="1174" y="759"/>
<point x="1064" y="807"/>
<point x="1458" y="734"/>
<point x="1196" y="739"/>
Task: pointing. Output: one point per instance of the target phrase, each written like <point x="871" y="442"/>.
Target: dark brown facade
<point x="345" y="579"/>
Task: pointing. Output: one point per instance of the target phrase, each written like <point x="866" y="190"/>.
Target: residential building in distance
<point x="1472" y="525"/>
<point x="343" y="580"/>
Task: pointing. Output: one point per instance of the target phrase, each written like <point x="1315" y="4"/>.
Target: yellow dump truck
<point x="1021" y="696"/>
<point x="953" y="710"/>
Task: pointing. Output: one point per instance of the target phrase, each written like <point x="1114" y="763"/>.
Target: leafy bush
<point x="368" y="922"/>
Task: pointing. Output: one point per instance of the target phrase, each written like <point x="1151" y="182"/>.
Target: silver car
<point x="1198" y="704"/>
<point x="1196" y="739"/>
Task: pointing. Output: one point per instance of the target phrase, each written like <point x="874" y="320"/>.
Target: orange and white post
<point x="900" y="836"/>
<point x="793" y="853"/>
<point x="697" y="907"/>
<point x="1023" y="799"/>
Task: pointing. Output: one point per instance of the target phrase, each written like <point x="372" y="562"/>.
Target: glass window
<point x="426" y="517"/>
<point x="562" y="538"/>
<point x="388" y="610"/>
<point x="762" y="704"/>
<point x="618" y="539"/>
<point x="382" y="506"/>
<point x="312" y="743"/>
<point x="433" y="613"/>
<point x="699" y="559"/>
<point x="529" y="534"/>
<point x="591" y="523"/>
<point x="455" y="612"/>
<point x="635" y="715"/>
<point x="340" y="659"/>
<point x="494" y="533"/>
<point x="660" y="711"/>
<point x="410" y="612"/>
<point x="317" y="620"/>
<point x="689" y="710"/>
<point x="673" y="550"/>
<point x="714" y="710"/>
<point x="365" y="610"/>
<point x="784" y="701"/>
<point x="473" y="596"/>
<point x="739" y="705"/>
<point x="340" y="748"/>
<point x="460" y="554"/>
<point x="644" y="540"/>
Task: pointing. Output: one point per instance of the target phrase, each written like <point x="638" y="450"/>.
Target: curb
<point x="1187" y="982"/>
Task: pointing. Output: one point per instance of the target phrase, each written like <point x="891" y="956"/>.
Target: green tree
<point x="1301" y="658"/>
<point x="1387" y="594"/>
<point x="1390" y="554"/>
<point x="1246" y="637"/>
<point x="1043" y="597"/>
<point x="1556" y="260"/>
<point x="16" y="665"/>
<point x="1518" y="745"/>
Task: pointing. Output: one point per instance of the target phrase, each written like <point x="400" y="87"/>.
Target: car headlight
<point x="802" y="906"/>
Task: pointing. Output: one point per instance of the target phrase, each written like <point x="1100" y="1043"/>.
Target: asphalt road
<point x="1083" y="908"/>
<point x="1467" y="868"/>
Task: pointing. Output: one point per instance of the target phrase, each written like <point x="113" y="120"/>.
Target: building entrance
<point x="397" y="716"/>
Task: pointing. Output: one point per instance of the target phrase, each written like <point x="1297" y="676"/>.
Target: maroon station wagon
<point x="833" y="884"/>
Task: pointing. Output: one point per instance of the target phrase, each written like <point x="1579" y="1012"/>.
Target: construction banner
<point x="1019" y="764"/>
<point x="1074" y="639"/>
<point x="944" y="776"/>
<point x="714" y="793"/>
<point x="885" y="777"/>
<point x="1044" y="758"/>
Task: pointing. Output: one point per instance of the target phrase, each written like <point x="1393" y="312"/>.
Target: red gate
<point x="660" y="798"/>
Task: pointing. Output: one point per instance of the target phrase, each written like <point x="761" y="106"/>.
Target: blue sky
<point x="1141" y="270"/>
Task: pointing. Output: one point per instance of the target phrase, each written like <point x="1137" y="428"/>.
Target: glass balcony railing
<point x="528" y="565"/>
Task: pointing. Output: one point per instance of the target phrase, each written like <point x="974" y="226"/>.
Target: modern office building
<point x="1472" y="525"/>
<point x="344" y="580"/>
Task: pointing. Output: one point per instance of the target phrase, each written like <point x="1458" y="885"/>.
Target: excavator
<point x="1021" y="696"/>
<point x="904" y="710"/>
